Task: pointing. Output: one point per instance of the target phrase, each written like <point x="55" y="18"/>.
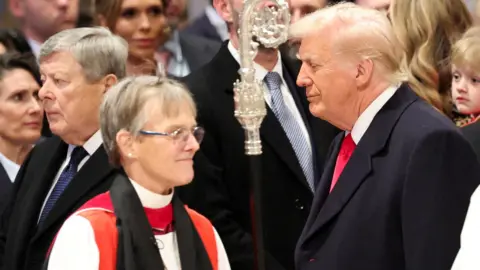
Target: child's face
<point x="466" y="90"/>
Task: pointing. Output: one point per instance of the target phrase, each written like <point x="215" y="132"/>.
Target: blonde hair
<point x="466" y="51"/>
<point x="126" y="106"/>
<point x="359" y="32"/>
<point x="426" y="30"/>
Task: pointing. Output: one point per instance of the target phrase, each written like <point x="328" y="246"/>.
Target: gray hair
<point x="126" y="107"/>
<point x="96" y="49"/>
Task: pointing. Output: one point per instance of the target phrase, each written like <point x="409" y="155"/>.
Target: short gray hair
<point x="96" y="49"/>
<point x="125" y="107"/>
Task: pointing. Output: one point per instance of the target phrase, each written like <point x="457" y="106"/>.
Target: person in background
<point x="300" y="8"/>
<point x="21" y="116"/>
<point x="40" y="19"/>
<point x="209" y="25"/>
<point x="396" y="185"/>
<point x="142" y="23"/>
<point x="426" y="31"/>
<point x="465" y="63"/>
<point x="77" y="67"/>
<point x="184" y="52"/>
<point x="149" y="131"/>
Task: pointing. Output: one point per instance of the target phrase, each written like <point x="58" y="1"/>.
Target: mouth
<point x="461" y="99"/>
<point x="33" y="124"/>
<point x="145" y="42"/>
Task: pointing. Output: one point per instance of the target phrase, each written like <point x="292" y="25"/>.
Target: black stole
<point x="137" y="249"/>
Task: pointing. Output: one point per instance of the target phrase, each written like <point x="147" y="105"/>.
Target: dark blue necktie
<point x="78" y="154"/>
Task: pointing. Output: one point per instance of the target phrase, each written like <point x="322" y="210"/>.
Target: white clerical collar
<point x="367" y="116"/>
<point x="151" y="199"/>
<point x="260" y="72"/>
<point x="10" y="167"/>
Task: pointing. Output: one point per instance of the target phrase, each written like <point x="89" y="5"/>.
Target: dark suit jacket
<point x="401" y="200"/>
<point x="287" y="197"/>
<point x="26" y="244"/>
<point x="203" y="27"/>
<point x="5" y="188"/>
<point x="197" y="50"/>
<point x="472" y="133"/>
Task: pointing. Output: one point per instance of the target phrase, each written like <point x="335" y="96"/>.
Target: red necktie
<point x="346" y="150"/>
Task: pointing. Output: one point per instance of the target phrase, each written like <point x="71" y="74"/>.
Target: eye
<point x="475" y="80"/>
<point x="155" y="11"/>
<point x="455" y="76"/>
<point x="18" y="97"/>
<point x="129" y="13"/>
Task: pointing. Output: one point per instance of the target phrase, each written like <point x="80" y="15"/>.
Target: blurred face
<point x="466" y="90"/>
<point x="21" y="113"/>
<point x="167" y="160"/>
<point x="330" y="83"/>
<point x="376" y="4"/>
<point x="2" y="49"/>
<point x="44" y="18"/>
<point x="175" y="10"/>
<point x="141" y="24"/>
<point x="300" y="8"/>
<point x="70" y="101"/>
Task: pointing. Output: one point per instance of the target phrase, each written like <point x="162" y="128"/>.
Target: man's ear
<point x="109" y="81"/>
<point x="17" y="8"/>
<point x="364" y="72"/>
<point x="224" y="9"/>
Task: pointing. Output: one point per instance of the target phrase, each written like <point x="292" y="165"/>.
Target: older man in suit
<point x="294" y="148"/>
<point x="77" y="66"/>
<point x="397" y="183"/>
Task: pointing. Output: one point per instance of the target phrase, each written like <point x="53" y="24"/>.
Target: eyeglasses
<point x="179" y="135"/>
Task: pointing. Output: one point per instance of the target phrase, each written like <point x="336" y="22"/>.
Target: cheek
<point x="125" y="29"/>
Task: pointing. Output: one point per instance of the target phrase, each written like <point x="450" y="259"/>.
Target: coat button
<point x="299" y="205"/>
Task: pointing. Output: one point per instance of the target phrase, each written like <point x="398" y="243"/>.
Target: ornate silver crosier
<point x="268" y="25"/>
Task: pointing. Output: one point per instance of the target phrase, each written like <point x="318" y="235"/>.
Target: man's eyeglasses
<point x="179" y="135"/>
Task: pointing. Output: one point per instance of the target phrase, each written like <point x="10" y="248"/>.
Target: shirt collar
<point x="174" y="47"/>
<point x="10" y="167"/>
<point x="91" y="145"/>
<point x="260" y="72"/>
<point x="151" y="199"/>
<point x="367" y="116"/>
<point x="35" y="46"/>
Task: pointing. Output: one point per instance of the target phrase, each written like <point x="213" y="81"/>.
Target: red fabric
<point x="161" y="218"/>
<point x="346" y="150"/>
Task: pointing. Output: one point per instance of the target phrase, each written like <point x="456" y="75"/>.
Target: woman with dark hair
<point x="12" y="40"/>
<point x="21" y="115"/>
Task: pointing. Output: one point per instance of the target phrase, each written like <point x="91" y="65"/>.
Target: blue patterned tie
<point x="67" y="175"/>
<point x="290" y="126"/>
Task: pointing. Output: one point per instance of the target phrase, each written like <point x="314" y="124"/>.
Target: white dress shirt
<point x="90" y="146"/>
<point x="367" y="116"/>
<point x="75" y="247"/>
<point x="468" y="258"/>
<point x="10" y="167"/>
<point x="35" y="46"/>
<point x="260" y="73"/>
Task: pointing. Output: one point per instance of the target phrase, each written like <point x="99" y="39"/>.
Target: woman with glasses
<point x="150" y="133"/>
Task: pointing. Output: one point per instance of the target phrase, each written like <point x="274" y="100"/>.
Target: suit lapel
<point x="271" y="131"/>
<point x="359" y="166"/>
<point x="90" y="175"/>
<point x="44" y="165"/>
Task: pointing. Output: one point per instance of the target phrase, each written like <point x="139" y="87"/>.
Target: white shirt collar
<point x="91" y="145"/>
<point x="35" y="46"/>
<point x="151" y="199"/>
<point x="367" y="116"/>
<point x="10" y="167"/>
<point x="260" y="72"/>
